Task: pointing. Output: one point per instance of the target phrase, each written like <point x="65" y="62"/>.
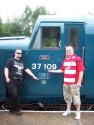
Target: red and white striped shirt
<point x="71" y="68"/>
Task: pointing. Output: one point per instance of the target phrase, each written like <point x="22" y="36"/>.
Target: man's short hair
<point x="18" y="49"/>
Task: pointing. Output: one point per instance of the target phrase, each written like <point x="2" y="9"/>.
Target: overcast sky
<point x="14" y="8"/>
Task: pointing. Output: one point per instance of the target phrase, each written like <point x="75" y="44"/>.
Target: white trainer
<point x="66" y="113"/>
<point x="78" y="115"/>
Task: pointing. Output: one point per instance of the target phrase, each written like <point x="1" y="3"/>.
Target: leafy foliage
<point x="21" y="25"/>
<point x="39" y="11"/>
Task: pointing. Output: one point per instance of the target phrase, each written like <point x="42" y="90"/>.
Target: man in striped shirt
<point x="73" y="70"/>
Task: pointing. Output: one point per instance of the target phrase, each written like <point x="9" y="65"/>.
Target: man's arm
<point x="28" y="71"/>
<point x="6" y="73"/>
<point x="80" y="78"/>
<point x="55" y="71"/>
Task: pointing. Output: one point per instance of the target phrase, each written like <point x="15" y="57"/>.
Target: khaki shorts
<point x="71" y="94"/>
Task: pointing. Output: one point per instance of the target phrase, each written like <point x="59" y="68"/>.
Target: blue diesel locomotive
<point x="46" y="50"/>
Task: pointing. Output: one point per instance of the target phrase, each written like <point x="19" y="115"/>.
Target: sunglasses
<point x="18" y="53"/>
<point x="68" y="50"/>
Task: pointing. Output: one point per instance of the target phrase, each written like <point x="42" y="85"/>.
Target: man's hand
<point x="35" y="78"/>
<point x="78" y="84"/>
<point x="55" y="71"/>
<point x="51" y="71"/>
<point x="7" y="80"/>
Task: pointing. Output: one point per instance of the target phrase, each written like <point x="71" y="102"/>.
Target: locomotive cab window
<point x="47" y="37"/>
<point x="74" y="37"/>
<point x="51" y="37"/>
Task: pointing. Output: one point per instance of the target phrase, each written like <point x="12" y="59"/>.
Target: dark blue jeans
<point x="14" y="88"/>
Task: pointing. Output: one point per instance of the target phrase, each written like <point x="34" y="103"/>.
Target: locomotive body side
<point x="46" y="50"/>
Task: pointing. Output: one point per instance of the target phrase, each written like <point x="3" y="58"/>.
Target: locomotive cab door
<point x="74" y="35"/>
<point x="46" y="54"/>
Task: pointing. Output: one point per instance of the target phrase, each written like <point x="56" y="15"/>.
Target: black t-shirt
<point x="16" y="68"/>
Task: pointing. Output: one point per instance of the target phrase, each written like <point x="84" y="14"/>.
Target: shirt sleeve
<point x="9" y="64"/>
<point x="80" y="65"/>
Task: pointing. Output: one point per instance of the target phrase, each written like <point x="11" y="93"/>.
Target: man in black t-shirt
<point x="13" y="71"/>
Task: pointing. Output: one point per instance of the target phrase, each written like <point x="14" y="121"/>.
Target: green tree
<point x="12" y="28"/>
<point x="38" y="11"/>
<point x="25" y="21"/>
<point x="6" y="29"/>
<point x="15" y="27"/>
<point x="22" y="25"/>
<point x="29" y="17"/>
<point x="1" y="27"/>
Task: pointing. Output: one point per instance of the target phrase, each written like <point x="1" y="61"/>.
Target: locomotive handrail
<point x="83" y="57"/>
<point x="83" y="53"/>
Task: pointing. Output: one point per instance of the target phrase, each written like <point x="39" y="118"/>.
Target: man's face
<point x="18" y="54"/>
<point x="69" y="51"/>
